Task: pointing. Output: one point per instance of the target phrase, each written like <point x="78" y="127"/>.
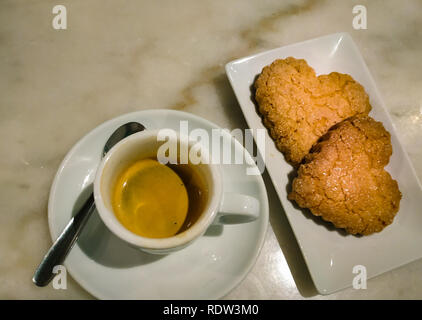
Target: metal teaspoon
<point x="64" y="243"/>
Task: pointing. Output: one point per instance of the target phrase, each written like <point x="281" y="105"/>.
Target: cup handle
<point x="237" y="208"/>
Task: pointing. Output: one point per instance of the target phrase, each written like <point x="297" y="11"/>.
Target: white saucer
<point x="108" y="268"/>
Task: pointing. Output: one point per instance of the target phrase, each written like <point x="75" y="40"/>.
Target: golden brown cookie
<point x="298" y="107"/>
<point x="343" y="179"/>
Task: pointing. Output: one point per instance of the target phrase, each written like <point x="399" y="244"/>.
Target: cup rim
<point x="178" y="240"/>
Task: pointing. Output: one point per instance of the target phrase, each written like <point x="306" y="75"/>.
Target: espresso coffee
<point x="159" y="201"/>
<point x="197" y="190"/>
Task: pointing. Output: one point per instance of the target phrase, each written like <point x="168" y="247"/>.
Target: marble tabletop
<point x="126" y="55"/>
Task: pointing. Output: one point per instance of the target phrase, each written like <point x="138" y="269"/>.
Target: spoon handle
<point x="64" y="243"/>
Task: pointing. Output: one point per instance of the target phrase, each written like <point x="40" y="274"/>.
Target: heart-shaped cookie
<point x="343" y="178"/>
<point x="298" y="107"/>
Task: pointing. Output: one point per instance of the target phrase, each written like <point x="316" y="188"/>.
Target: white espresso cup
<point x="220" y="207"/>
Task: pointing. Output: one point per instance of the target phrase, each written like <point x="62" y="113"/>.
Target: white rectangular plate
<point x="330" y="255"/>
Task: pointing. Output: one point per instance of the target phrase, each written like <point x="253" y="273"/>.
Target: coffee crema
<point x="158" y="201"/>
